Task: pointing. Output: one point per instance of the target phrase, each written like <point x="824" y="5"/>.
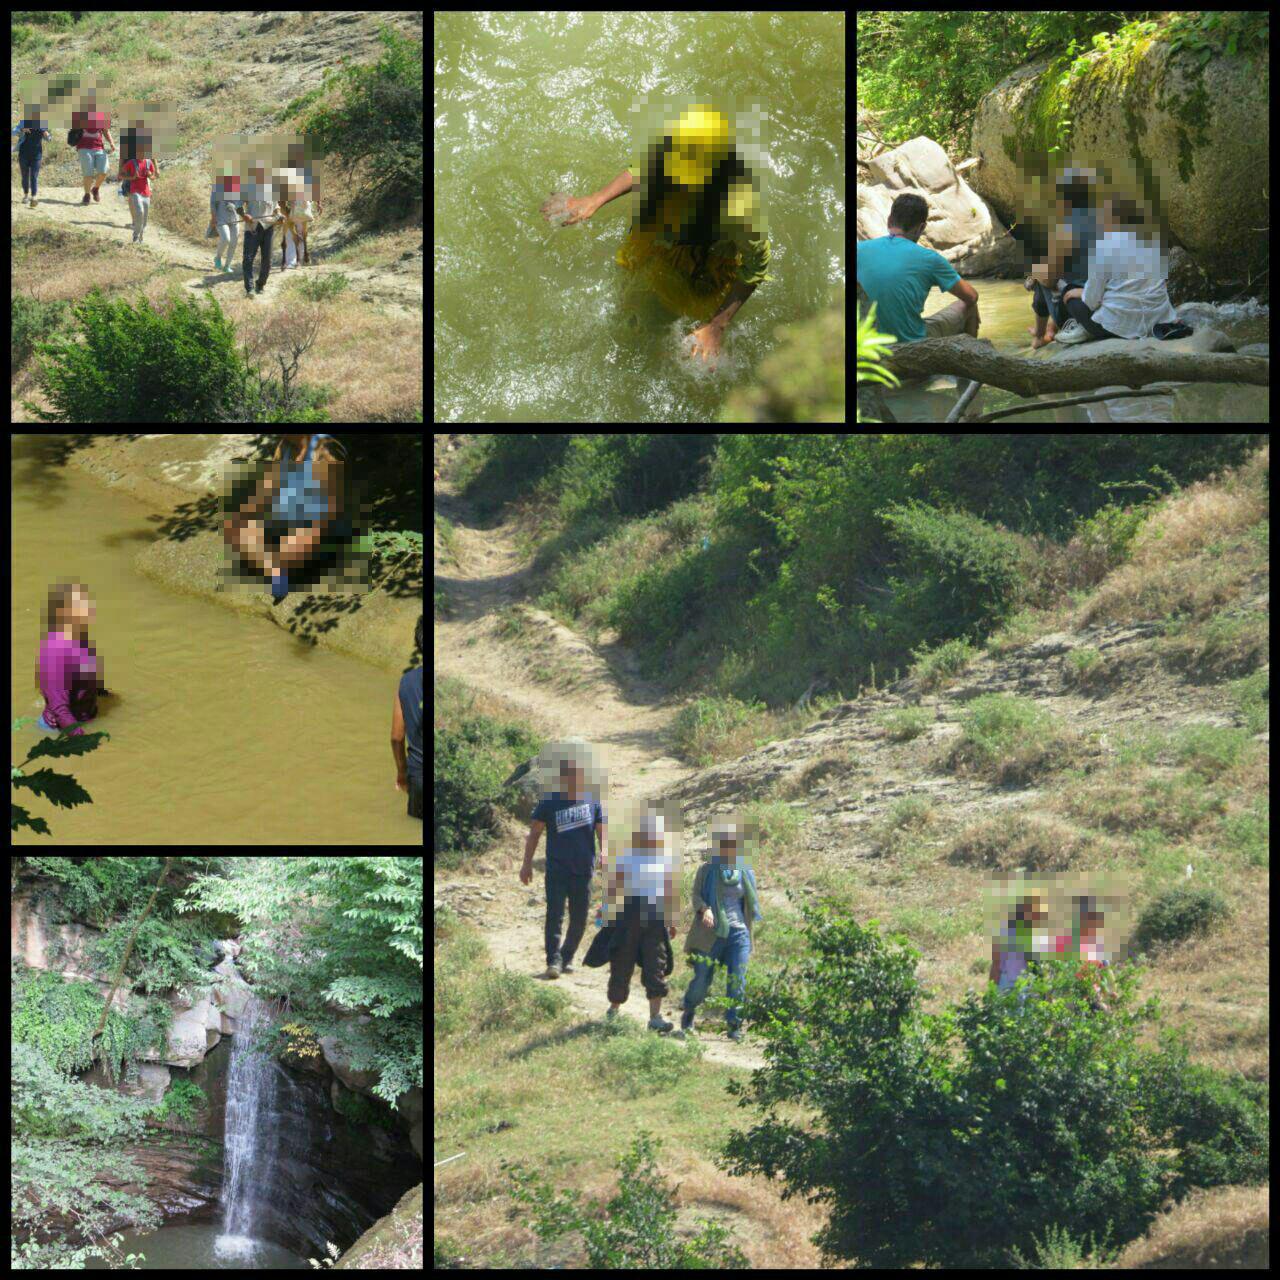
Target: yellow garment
<point x="667" y="267"/>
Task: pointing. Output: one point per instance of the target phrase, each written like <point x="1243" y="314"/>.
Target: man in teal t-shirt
<point x="896" y="274"/>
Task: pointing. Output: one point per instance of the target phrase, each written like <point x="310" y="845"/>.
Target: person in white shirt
<point x="1126" y="294"/>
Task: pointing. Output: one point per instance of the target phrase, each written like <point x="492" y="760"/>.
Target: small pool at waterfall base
<point x="203" y="1246"/>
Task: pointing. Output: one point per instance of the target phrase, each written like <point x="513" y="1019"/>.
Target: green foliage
<point x="183" y="1101"/>
<point x="32" y="322"/>
<point x="56" y="1017"/>
<point x="66" y="1141"/>
<point x="952" y="1139"/>
<point x="704" y="724"/>
<point x="472" y="756"/>
<point x="61" y="789"/>
<point x="165" y="954"/>
<point x="373" y="130"/>
<point x="873" y="346"/>
<point x="637" y="1228"/>
<point x="355" y="936"/>
<point x="1181" y="912"/>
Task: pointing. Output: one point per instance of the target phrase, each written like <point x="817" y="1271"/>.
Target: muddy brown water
<point x="226" y="730"/>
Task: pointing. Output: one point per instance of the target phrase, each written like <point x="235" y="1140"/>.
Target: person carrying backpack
<point x="31" y="136"/>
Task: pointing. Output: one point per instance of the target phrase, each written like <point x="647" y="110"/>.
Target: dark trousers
<point x="415" y="799"/>
<point x="1043" y="303"/>
<point x="257" y="239"/>
<point x="563" y="886"/>
<point x="641" y="940"/>
<point x="30" y="169"/>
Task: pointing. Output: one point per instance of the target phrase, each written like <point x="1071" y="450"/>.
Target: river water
<point x="530" y="322"/>
<point x="225" y="730"/>
<point x="1005" y="308"/>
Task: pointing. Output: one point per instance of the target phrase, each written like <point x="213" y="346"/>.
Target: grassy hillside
<point x="337" y="341"/>
<point x="1049" y="657"/>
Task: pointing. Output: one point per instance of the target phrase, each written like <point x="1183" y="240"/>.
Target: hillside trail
<point x="609" y="705"/>
<point x="397" y="291"/>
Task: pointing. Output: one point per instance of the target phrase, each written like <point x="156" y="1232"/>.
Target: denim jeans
<point x="733" y="952"/>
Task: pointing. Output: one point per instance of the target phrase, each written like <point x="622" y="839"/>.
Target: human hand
<point x="402" y="782"/>
<point x="705" y="342"/>
<point x="526" y="872"/>
<point x="708" y="918"/>
<point x="671" y="930"/>
<point x="564" y="211"/>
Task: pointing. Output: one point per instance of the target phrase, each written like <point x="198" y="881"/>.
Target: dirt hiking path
<point x="608" y="704"/>
<point x="399" y="291"/>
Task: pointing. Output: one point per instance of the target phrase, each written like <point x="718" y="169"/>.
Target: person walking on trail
<point x="32" y="135"/>
<point x="223" y="222"/>
<point x="643" y="879"/>
<point x="90" y="134"/>
<point x="138" y="172"/>
<point x="573" y="822"/>
<point x="725" y="908"/>
<point x="1085" y="942"/>
<point x="260" y="213"/>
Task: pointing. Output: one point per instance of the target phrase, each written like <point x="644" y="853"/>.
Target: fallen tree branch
<point x="1063" y="404"/>
<point x="978" y="360"/>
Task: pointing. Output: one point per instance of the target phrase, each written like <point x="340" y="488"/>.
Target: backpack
<point x="73" y="136"/>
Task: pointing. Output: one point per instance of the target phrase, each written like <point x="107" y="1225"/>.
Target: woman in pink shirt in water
<point x="68" y="666"/>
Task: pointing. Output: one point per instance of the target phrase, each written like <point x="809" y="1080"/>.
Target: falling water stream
<point x="252" y="1132"/>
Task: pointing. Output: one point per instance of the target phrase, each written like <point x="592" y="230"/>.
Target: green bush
<point x="954" y="1139"/>
<point x="637" y="1228"/>
<point x="471" y="761"/>
<point x="183" y="1101"/>
<point x="1184" y="911"/>
<point x="701" y="725"/>
<point x="373" y="131"/>
<point x="956" y="575"/>
<point x="32" y="321"/>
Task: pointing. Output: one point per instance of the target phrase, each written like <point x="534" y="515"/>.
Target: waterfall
<point x="251" y="1132"/>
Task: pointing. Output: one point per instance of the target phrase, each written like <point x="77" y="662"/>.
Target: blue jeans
<point x="733" y="952"/>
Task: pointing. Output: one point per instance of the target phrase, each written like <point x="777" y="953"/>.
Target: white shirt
<point x="1126" y="286"/>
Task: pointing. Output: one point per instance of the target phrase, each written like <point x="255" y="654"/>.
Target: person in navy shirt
<point x="574" y="823"/>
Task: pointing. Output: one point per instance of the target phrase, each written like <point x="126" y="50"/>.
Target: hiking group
<point x="271" y="197"/>
<point x="1099" y="273"/>
<point x="641" y="902"/>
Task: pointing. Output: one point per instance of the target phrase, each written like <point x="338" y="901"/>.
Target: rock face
<point x="1193" y="124"/>
<point x="962" y="226"/>
<point x="393" y="1242"/>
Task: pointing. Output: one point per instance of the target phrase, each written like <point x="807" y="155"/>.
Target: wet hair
<point x="698" y="232"/>
<point x="908" y="212"/>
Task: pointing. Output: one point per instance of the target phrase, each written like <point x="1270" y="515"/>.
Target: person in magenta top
<point x="69" y="677"/>
<point x="91" y="131"/>
<point x="139" y="171"/>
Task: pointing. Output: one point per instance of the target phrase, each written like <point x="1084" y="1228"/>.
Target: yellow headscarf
<point x="699" y="140"/>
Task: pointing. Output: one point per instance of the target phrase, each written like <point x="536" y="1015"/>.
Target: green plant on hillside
<point x="373" y="132"/>
<point x="951" y="1139"/>
<point x="636" y="1229"/>
<point x="32" y="321"/>
<point x="182" y="1102"/>
<point x="872" y="346"/>
<point x="1181" y="912"/>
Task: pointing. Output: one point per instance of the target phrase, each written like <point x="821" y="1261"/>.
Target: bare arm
<point x="738" y="294"/>
<point x="620" y="186"/>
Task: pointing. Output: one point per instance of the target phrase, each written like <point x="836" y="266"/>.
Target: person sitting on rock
<point x="896" y="273"/>
<point x="1126" y="293"/>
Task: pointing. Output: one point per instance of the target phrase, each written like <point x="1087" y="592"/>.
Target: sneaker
<point x="567" y="967"/>
<point x="97" y="199"/>
<point x="1071" y="333"/>
<point x="86" y="198"/>
<point x="553" y="970"/>
<point x="686" y="1020"/>
<point x="258" y="289"/>
<point x="735" y="1034"/>
<point x="611" y="1014"/>
<point x="660" y="1024"/>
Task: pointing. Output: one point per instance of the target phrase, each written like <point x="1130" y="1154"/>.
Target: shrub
<point x="1182" y="912"/>
<point x="703" y="724"/>
<point x="953" y="1139"/>
<point x="31" y="322"/>
<point x="636" y="1230"/>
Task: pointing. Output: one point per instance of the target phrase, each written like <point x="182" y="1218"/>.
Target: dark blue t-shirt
<point x="411" y="709"/>
<point x="571" y="831"/>
<point x="31" y="145"/>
